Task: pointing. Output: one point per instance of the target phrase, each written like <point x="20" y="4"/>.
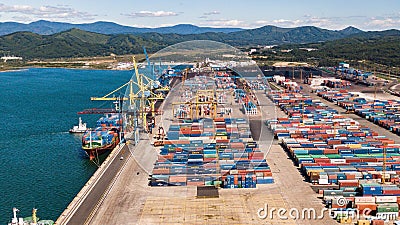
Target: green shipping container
<point x="387" y="208"/>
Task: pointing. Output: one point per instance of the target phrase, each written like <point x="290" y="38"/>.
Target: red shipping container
<point x="392" y="192"/>
<point x="378" y="222"/>
<point x="330" y="151"/>
<point x="209" y="159"/>
<point x="365" y="169"/>
<point x="335" y="206"/>
<point x="332" y="176"/>
<point x="352" y="160"/>
<point x="365" y="206"/>
<point x="369" y="160"/>
<point x="328" y="164"/>
<point x="348" y="183"/>
<point x="322" y="160"/>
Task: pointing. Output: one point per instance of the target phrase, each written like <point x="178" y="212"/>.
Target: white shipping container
<point x="327" y="198"/>
<point x="223" y="162"/>
<point x="359" y="175"/>
<point x="260" y="174"/>
<point x="370" y="181"/>
<point x="323" y="181"/>
<point x="233" y="172"/>
<point x="338" y="161"/>
<point x="332" y="131"/>
<point x="364" y="200"/>
<point x="386" y="199"/>
<point x="308" y="120"/>
<point x="336" y="146"/>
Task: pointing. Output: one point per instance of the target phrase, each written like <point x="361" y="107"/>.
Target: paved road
<point x="88" y="205"/>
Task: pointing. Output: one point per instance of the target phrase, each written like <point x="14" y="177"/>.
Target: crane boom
<point x="107" y="98"/>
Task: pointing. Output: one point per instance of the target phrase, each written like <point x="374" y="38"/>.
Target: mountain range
<point x="47" y="27"/>
<point x="111" y="38"/>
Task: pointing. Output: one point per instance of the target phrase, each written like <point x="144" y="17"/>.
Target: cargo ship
<point x="32" y="220"/>
<point x="104" y="137"/>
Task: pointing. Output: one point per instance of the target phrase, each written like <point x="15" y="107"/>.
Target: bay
<point x="41" y="164"/>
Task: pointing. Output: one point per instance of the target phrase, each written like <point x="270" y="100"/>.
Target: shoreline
<point x="93" y="63"/>
<point x="18" y="69"/>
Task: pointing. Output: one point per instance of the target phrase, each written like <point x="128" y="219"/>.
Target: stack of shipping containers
<point x="338" y="153"/>
<point x="216" y="151"/>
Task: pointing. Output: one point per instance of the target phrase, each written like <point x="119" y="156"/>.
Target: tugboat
<point x="81" y="128"/>
<point x="32" y="220"/>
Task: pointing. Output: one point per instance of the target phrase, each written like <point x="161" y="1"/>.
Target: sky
<point x="328" y="14"/>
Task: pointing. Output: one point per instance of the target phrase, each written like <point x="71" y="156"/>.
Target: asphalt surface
<point x="84" y="211"/>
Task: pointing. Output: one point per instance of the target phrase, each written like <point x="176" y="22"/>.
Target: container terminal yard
<point x="237" y="151"/>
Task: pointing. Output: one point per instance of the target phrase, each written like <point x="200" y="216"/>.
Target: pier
<point x="95" y="190"/>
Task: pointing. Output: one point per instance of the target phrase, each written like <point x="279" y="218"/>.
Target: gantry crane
<point x="142" y="95"/>
<point x="202" y="98"/>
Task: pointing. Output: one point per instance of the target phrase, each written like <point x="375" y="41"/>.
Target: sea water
<point x="42" y="165"/>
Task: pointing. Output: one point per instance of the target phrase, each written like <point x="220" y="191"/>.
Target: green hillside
<point x="331" y="46"/>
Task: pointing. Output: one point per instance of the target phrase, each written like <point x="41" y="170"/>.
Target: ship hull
<point x="77" y="131"/>
<point x="95" y="152"/>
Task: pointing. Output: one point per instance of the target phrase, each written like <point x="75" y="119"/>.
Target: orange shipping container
<point x="195" y="183"/>
<point x="235" y="180"/>
<point x="161" y="171"/>
<point x="378" y="222"/>
<point x="174" y="179"/>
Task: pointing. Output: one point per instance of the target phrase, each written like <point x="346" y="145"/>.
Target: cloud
<point x="211" y="13"/>
<point x="385" y="22"/>
<point x="304" y="21"/>
<point x="152" y="14"/>
<point x="262" y="22"/>
<point x="223" y="23"/>
<point x="312" y="21"/>
<point x="45" y="12"/>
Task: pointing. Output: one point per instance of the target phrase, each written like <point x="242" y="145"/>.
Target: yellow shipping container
<point x="346" y="220"/>
<point x="363" y="222"/>
<point x="309" y="172"/>
<point x="354" y="145"/>
<point x="221" y="137"/>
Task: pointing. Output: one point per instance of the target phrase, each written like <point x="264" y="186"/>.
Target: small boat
<point x="32" y="220"/>
<point x="81" y="128"/>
